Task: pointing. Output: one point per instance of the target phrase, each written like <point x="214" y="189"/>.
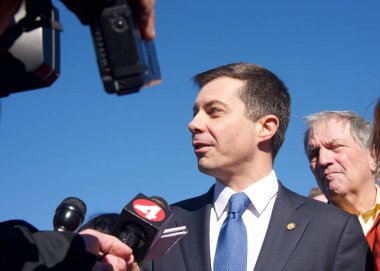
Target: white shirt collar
<point x="259" y="193"/>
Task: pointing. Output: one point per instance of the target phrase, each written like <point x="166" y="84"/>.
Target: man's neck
<point x="240" y="182"/>
<point x="358" y="203"/>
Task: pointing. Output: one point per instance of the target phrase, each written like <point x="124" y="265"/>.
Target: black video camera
<point x="126" y="61"/>
<point x="30" y="47"/>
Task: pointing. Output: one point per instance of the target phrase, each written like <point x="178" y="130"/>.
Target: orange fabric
<point x="373" y="236"/>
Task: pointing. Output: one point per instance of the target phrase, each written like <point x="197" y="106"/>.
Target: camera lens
<point x="119" y="24"/>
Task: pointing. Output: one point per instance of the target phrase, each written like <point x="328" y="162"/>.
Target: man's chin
<point x="203" y="169"/>
<point x="332" y="193"/>
<point x="206" y="169"/>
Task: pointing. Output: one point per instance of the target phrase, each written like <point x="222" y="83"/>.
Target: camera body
<point x="33" y="57"/>
<point x="126" y="61"/>
<point x="30" y="47"/>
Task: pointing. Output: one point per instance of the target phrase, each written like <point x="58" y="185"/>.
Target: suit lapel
<point x="195" y="246"/>
<point x="285" y="229"/>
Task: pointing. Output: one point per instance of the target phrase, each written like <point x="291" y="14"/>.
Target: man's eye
<point x="214" y="110"/>
<point x="336" y="147"/>
<point x="312" y="154"/>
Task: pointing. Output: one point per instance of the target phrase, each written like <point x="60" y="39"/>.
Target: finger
<point x="147" y="26"/>
<point x="109" y="244"/>
<point x="147" y="19"/>
<point x="91" y="242"/>
<point x="132" y="264"/>
<point x="146" y="6"/>
<point x="116" y="262"/>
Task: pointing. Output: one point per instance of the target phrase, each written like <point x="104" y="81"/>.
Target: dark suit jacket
<point x="325" y="238"/>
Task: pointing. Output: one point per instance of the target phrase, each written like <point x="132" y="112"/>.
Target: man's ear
<point x="269" y="127"/>
<point x="374" y="163"/>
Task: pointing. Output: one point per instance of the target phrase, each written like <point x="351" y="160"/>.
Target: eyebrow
<point x="332" y="141"/>
<point x="210" y="103"/>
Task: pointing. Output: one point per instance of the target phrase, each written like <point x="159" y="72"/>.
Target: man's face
<point x="224" y="140"/>
<point x="338" y="163"/>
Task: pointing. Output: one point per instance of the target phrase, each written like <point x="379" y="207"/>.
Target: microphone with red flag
<point x="141" y="223"/>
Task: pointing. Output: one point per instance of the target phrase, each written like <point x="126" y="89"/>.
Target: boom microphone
<point x="69" y="214"/>
<point x="141" y="223"/>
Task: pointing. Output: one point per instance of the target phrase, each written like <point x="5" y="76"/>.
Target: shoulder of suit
<point x="194" y="203"/>
<point x="314" y="206"/>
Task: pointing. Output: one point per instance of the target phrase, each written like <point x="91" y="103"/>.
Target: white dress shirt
<point x="256" y="217"/>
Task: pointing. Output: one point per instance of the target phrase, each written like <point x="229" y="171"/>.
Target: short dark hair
<point x="102" y="223"/>
<point x="263" y="94"/>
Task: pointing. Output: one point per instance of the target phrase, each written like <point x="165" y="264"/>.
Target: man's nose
<point x="197" y="124"/>
<point x="326" y="157"/>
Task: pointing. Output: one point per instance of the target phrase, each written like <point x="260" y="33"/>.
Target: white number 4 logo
<point x="149" y="211"/>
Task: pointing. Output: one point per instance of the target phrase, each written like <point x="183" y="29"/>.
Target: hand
<point x="146" y="19"/>
<point x="88" y="10"/>
<point x="83" y="9"/>
<point x="115" y="254"/>
<point x="7" y="9"/>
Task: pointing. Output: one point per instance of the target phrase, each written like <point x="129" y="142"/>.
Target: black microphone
<point x="69" y="214"/>
<point x="141" y="223"/>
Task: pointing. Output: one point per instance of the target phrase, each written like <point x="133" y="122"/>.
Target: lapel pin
<point x="291" y="226"/>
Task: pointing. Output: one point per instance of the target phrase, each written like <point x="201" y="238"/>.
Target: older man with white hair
<point x="338" y="146"/>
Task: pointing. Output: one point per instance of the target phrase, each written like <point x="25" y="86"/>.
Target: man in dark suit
<point x="240" y="117"/>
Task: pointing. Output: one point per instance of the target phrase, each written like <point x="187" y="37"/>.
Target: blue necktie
<point x="231" y="251"/>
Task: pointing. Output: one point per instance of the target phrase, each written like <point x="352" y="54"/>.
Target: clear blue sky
<point x="74" y="139"/>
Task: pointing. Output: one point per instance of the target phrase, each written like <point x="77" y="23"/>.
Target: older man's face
<point x="340" y="166"/>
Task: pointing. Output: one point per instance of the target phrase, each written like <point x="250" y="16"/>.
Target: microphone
<point x="69" y="214"/>
<point x="141" y="223"/>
